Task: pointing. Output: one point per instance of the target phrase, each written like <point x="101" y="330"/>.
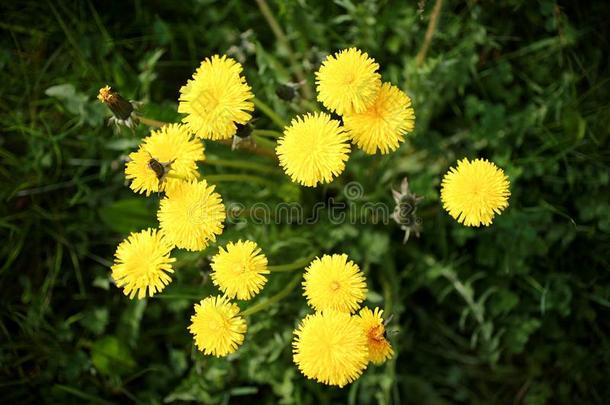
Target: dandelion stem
<point x="277" y="297"/>
<point x="248" y="178"/>
<point x="436" y="11"/>
<point x="267" y="132"/>
<point x="283" y="40"/>
<point x="268" y="111"/>
<point x="265" y="143"/>
<point x="262" y="148"/>
<point x="151" y="122"/>
<point x="298" y="264"/>
<point x="240" y="164"/>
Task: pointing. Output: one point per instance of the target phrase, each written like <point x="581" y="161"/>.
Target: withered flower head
<point x="405" y="211"/>
<point x="288" y="91"/>
<point x="124" y="112"/>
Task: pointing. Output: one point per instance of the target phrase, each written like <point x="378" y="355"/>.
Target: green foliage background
<point x="513" y="313"/>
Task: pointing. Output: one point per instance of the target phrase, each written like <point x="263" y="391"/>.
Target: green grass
<point x="513" y="313"/>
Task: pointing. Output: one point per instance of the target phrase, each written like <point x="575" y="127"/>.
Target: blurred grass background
<point x="514" y="313"/>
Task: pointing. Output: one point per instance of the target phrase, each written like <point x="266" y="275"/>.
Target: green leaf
<point x="110" y="356"/>
<point x="78" y="103"/>
<point x="128" y="215"/>
<point x="95" y="320"/>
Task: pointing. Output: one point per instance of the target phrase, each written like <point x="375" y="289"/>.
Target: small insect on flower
<point x="165" y="158"/>
<point x="217" y="327"/>
<point x="159" y="168"/>
<point x="124" y="113"/>
<point x="373" y="325"/>
<point x="333" y="282"/>
<point x="474" y="192"/>
<point x="330" y="347"/>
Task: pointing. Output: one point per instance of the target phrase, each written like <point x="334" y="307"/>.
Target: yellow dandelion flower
<point x="475" y="191"/>
<point x="330" y="347"/>
<point x="165" y="158"/>
<point x="371" y="322"/>
<point x="239" y="270"/>
<point x="313" y="149"/>
<point x="217" y="327"/>
<point x="191" y="215"/>
<point x="348" y="81"/>
<point x="333" y="282"/>
<point x="217" y="99"/>
<point x="382" y="126"/>
<point x="142" y="262"/>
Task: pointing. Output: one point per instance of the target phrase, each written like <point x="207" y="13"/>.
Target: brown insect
<point x="160" y="169"/>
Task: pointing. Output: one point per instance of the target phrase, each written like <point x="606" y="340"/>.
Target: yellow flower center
<point x="350" y="78"/>
<point x="335" y="285"/>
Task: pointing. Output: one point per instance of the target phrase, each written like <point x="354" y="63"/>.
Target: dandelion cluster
<point x="375" y="116"/>
<point x="191" y="213"/>
<point x="335" y="343"/>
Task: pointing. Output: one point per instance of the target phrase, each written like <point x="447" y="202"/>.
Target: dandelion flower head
<point x="475" y="191"/>
<point x="313" y="149"/>
<point x="239" y="270"/>
<point x="383" y="125"/>
<point x="330" y="347"/>
<point x="380" y="348"/>
<point x="217" y="327"/>
<point x="333" y="282"/>
<point x="171" y="150"/>
<point x="191" y="215"/>
<point x="216" y="99"/>
<point x="142" y="263"/>
<point x="348" y="81"/>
